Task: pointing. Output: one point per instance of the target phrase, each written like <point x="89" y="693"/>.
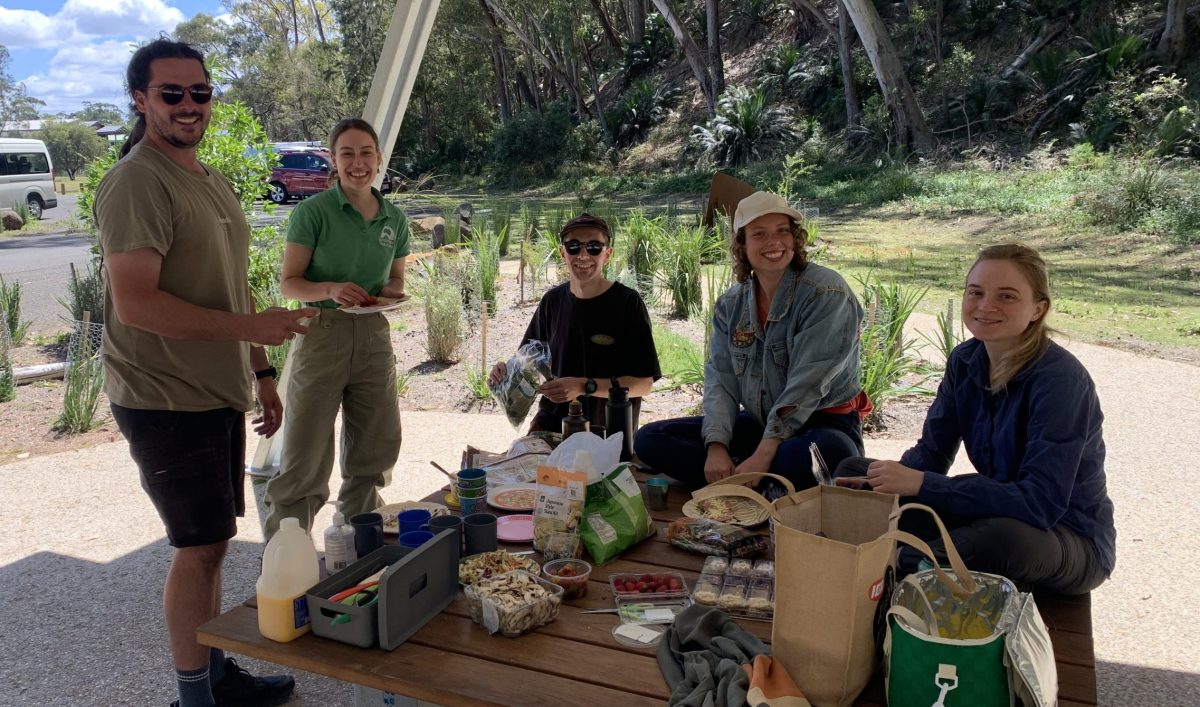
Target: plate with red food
<point x="375" y="304"/>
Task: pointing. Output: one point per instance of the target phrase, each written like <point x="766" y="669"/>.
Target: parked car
<point x="300" y="173"/>
<point x="26" y="176"/>
<point x="304" y="171"/>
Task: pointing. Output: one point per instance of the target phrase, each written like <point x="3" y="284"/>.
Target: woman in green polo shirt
<point x="345" y="247"/>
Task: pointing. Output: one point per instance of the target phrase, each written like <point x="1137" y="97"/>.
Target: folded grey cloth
<point x="701" y="656"/>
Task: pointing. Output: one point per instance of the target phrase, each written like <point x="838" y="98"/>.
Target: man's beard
<point x="163" y="128"/>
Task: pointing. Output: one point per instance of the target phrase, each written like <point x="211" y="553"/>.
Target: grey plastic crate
<point x="418" y="585"/>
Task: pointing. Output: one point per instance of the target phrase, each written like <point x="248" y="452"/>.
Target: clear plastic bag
<point x="524" y="372"/>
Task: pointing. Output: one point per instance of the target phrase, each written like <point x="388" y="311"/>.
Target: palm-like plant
<point x="746" y="127"/>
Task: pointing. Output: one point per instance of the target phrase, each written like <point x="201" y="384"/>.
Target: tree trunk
<point x="613" y="39"/>
<point x="317" y="19"/>
<point x="603" y="115"/>
<point x="1048" y="33"/>
<point x="498" y="65"/>
<point x="911" y="130"/>
<point x="845" y="39"/>
<point x="1173" y="45"/>
<point x="820" y="17"/>
<point x="712" y="11"/>
<point x="526" y="92"/>
<point x="694" y="58"/>
<point x="295" y="24"/>
<point x="536" y="52"/>
<point x="637" y="21"/>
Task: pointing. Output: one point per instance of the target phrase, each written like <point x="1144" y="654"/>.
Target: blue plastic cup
<point x="415" y="538"/>
<point x="412" y="519"/>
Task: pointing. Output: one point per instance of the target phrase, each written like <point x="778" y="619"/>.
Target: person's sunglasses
<point x="172" y="93"/>
<point x="594" y="248"/>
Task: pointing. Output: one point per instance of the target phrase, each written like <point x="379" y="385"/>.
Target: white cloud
<point x="89" y="72"/>
<point x="80" y="20"/>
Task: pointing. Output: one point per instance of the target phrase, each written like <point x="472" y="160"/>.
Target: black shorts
<point x="193" y="469"/>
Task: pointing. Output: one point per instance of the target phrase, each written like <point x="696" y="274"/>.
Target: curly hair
<point x="1036" y="337"/>
<point x="741" y="263"/>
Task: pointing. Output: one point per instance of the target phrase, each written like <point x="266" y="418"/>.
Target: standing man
<point x="179" y="370"/>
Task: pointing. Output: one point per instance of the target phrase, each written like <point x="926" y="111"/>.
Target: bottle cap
<point x="338" y="518"/>
<point x="574" y="408"/>
<point x="289" y="523"/>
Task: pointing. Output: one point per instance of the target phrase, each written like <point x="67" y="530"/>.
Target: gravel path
<point x="83" y="556"/>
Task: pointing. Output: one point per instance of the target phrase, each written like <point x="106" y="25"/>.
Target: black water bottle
<point x="618" y="417"/>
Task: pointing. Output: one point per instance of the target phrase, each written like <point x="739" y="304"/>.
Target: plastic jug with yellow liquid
<point x="289" y="568"/>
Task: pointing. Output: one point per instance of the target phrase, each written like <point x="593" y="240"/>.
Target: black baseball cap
<point x="585" y="220"/>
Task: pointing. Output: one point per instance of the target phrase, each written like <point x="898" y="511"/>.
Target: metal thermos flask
<point x="618" y="417"/>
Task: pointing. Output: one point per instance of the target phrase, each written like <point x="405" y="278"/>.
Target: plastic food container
<point x="740" y="567"/>
<point x="500" y="603"/>
<point x="656" y="584"/>
<point x="558" y="546"/>
<point x="763" y="569"/>
<point x="733" y="594"/>
<point x="570" y="574"/>
<point x="760" y="600"/>
<point x="708" y="589"/>
<point x="638" y="610"/>
<point x="715" y="565"/>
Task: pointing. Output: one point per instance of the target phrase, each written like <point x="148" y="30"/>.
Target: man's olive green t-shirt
<point x="196" y="224"/>
<point x="347" y="247"/>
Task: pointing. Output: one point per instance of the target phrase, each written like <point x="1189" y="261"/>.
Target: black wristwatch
<point x="589" y="387"/>
<point x="268" y="372"/>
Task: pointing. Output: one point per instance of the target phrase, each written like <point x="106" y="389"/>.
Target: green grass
<point x="477" y="383"/>
<point x="681" y="359"/>
<point x="398" y="325"/>
<point x="403" y="379"/>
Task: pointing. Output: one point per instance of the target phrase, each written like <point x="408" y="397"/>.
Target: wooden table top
<point x="574" y="659"/>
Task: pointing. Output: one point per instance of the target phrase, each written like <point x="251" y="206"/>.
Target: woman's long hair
<point x="1036" y="337"/>
<point x="342" y="126"/>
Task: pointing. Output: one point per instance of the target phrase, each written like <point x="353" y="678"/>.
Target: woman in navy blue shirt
<point x="1026" y="410"/>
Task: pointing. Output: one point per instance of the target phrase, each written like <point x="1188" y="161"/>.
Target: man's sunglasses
<point x="594" y="248"/>
<point x="172" y="93"/>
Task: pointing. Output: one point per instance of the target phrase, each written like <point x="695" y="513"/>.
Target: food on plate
<point x="516" y="498"/>
<point x="718" y="509"/>
<point x="489" y="564"/>
<point x="712" y="538"/>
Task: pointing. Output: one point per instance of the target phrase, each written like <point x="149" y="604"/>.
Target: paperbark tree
<point x="844" y="39"/>
<point x="911" y="129"/>
<point x="691" y="52"/>
<point x="1172" y="47"/>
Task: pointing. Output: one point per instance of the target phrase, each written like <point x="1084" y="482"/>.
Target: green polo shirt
<point x="346" y="247"/>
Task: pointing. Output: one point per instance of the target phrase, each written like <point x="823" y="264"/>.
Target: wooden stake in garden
<point x="483" y="368"/>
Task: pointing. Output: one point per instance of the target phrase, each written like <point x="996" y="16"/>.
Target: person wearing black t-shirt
<point x="596" y="329"/>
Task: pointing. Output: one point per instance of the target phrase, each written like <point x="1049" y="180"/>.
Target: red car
<point x="300" y="173"/>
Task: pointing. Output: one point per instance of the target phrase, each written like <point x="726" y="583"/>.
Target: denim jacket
<point x="807" y="359"/>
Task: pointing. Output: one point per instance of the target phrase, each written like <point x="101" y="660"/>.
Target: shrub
<point x="486" y="247"/>
<point x="643" y="106"/>
<point x="887" y="354"/>
<point x="477" y="384"/>
<point x="10" y="309"/>
<point x="680" y="254"/>
<point x="8" y="383"/>
<point x="640" y="235"/>
<point x="85" y="294"/>
<point x="84" y="381"/>
<point x="745" y="128"/>
<point x="657" y="45"/>
<point x="532" y="144"/>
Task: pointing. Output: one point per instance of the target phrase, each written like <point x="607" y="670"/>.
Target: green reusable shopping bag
<point x="614" y="516"/>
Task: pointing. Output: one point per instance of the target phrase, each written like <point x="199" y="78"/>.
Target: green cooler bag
<point x="965" y="639"/>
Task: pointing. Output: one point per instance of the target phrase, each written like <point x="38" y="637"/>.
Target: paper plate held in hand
<point x="381" y="304"/>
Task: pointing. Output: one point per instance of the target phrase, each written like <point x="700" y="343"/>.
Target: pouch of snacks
<point x="615" y="517"/>
<point x="559" y="503"/>
<point x="524" y="372"/>
<point x="709" y="537"/>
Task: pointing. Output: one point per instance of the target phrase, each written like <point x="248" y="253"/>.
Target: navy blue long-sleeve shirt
<point x="1037" y="446"/>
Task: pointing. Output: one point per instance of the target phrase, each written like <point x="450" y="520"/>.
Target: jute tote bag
<point x="833" y="556"/>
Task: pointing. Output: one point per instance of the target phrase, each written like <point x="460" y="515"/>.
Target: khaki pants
<point x="345" y="360"/>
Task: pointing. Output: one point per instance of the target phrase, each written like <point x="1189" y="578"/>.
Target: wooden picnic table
<point x="574" y="659"/>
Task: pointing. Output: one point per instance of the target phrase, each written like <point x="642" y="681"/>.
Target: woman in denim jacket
<point x="1027" y="413"/>
<point x="784" y="367"/>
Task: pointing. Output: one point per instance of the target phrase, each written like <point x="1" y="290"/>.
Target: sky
<point x="67" y="52"/>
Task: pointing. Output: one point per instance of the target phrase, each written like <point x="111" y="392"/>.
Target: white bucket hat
<point x="761" y="203"/>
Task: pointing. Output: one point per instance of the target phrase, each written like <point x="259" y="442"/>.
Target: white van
<point x="26" y="176"/>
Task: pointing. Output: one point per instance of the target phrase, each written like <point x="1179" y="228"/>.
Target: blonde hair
<point x="1036" y="337"/>
<point x="741" y="262"/>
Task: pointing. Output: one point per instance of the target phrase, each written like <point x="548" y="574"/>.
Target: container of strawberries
<point x="649" y="585"/>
